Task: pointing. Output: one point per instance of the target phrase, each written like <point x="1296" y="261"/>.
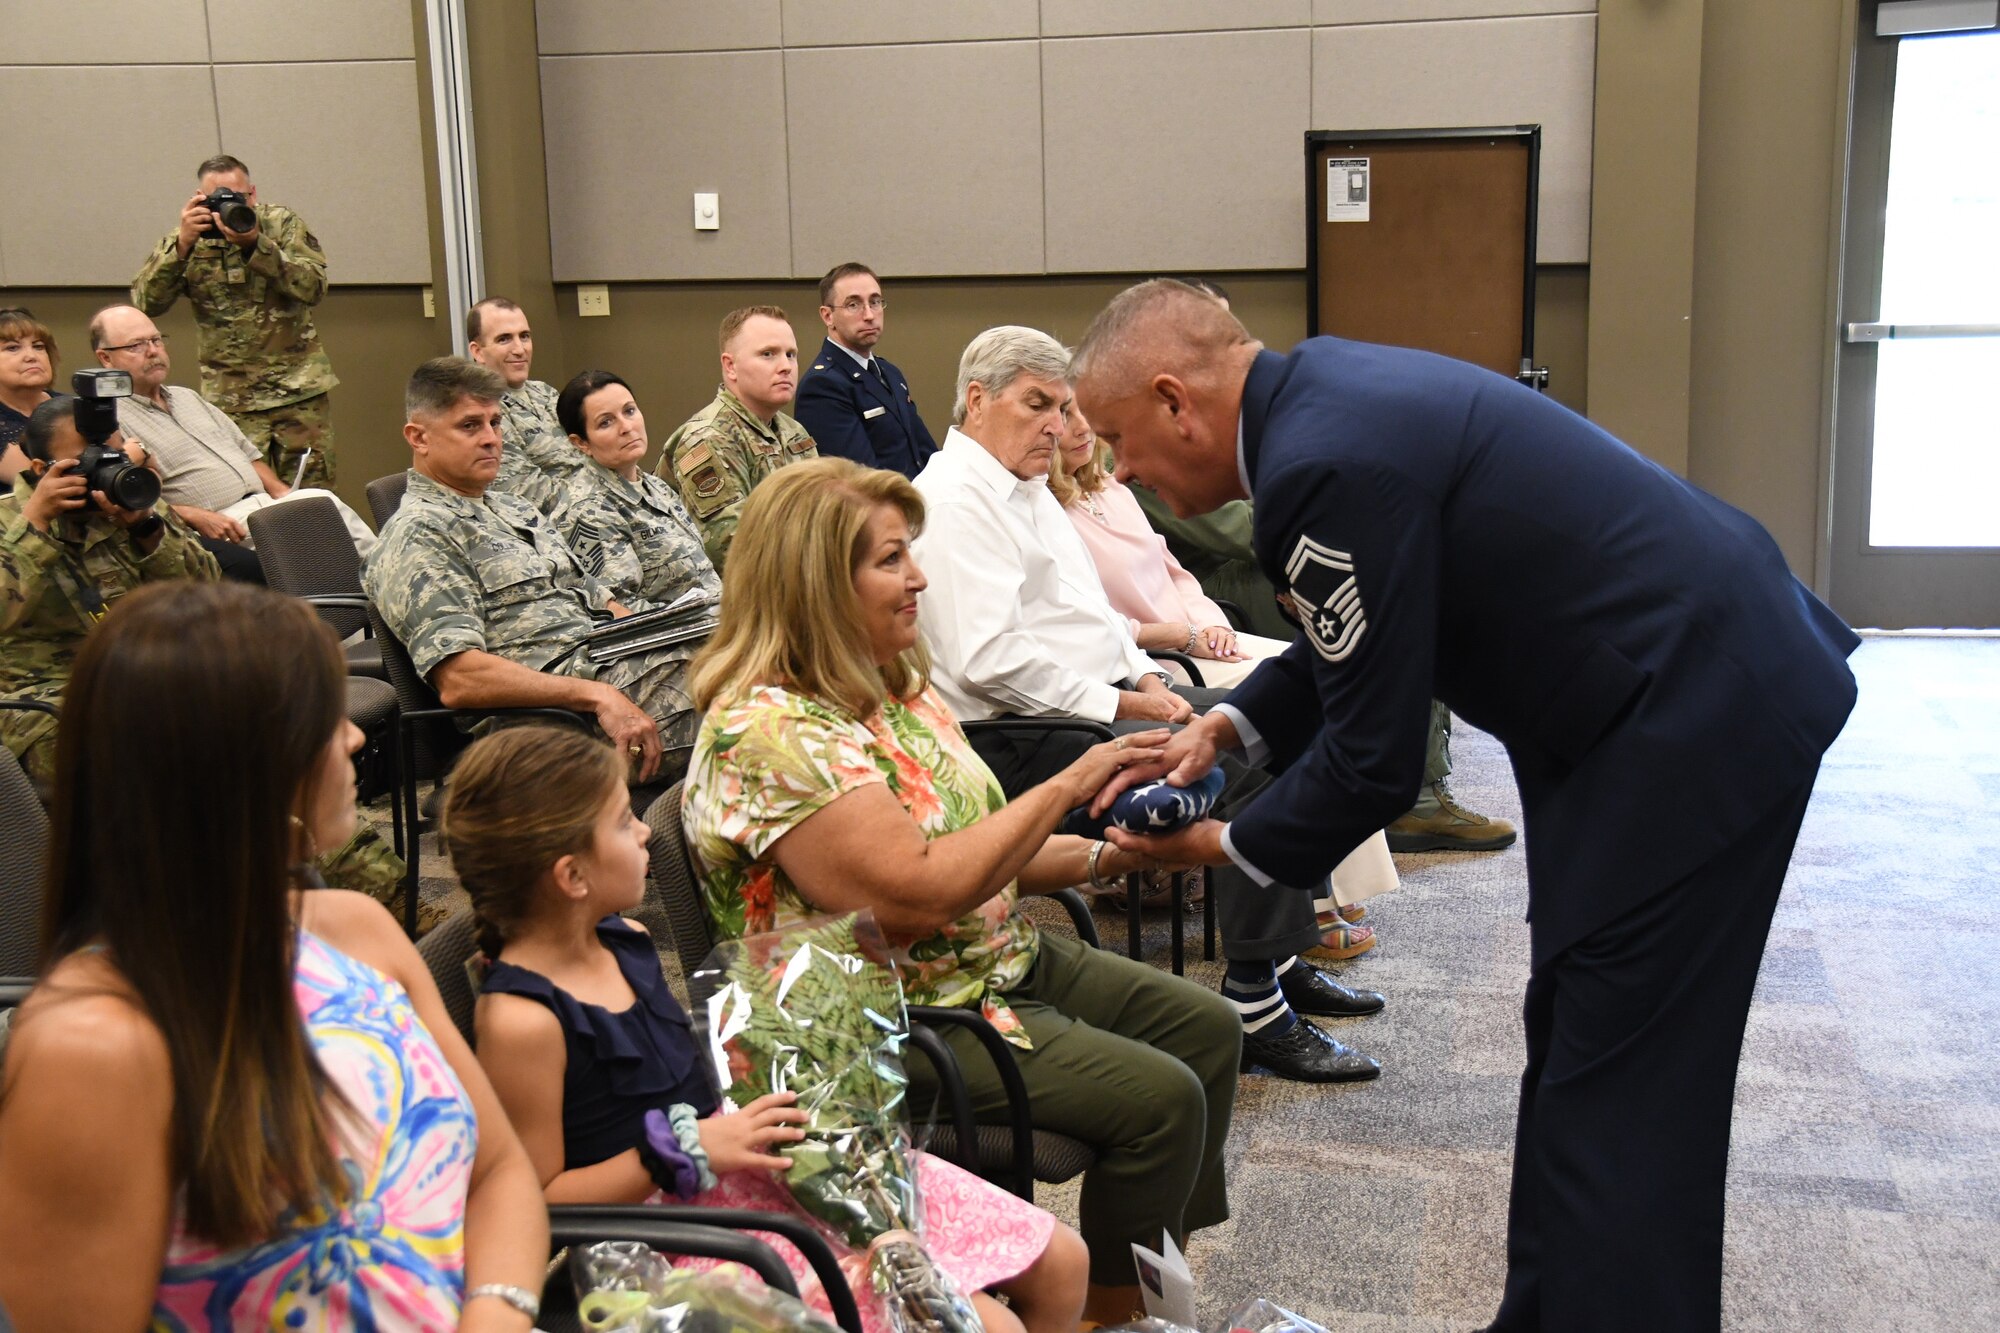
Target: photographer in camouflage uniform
<point x="253" y="292"/>
<point x="66" y="554"/>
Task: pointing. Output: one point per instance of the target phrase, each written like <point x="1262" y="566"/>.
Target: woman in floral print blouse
<point x="829" y="777"/>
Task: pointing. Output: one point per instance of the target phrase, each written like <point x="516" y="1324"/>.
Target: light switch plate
<point x="593" y="299"/>
<point x="707" y="212"/>
<point x="430" y="304"/>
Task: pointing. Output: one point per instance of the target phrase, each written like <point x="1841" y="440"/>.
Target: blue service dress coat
<point x="1639" y="646"/>
<point x="852" y="413"/>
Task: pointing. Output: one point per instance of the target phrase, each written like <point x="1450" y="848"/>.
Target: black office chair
<point x="23" y="853"/>
<point x="447" y="950"/>
<point x="427" y="742"/>
<point x="1014" y="1155"/>
<point x="385" y="497"/>
<point x="308" y="552"/>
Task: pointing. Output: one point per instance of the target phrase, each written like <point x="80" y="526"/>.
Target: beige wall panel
<point x="1410" y="11"/>
<point x="593" y="27"/>
<point x="366" y="207"/>
<point x="938" y="170"/>
<point x="1120" y="130"/>
<point x="257" y="30"/>
<point x="629" y="141"/>
<point x="867" y="22"/>
<point x="59" y="118"/>
<point x="102" y="32"/>
<point x="1093" y="18"/>
<point x="1485" y="72"/>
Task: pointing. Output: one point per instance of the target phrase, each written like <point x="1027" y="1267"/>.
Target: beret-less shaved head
<point x="1162" y="326"/>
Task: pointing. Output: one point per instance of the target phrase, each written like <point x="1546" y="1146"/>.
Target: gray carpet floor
<point x="1864" y="1188"/>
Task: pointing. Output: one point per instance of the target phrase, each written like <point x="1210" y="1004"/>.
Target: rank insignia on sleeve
<point x="1326" y="598"/>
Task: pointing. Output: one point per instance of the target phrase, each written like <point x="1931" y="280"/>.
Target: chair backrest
<point x="445" y="951"/>
<point x="435" y="741"/>
<point x="23" y="850"/>
<point x="307" y="550"/>
<point x="385" y="497"/>
<point x="672" y="877"/>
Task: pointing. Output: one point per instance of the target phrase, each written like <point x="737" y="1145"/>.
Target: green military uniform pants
<point x="1137" y="1063"/>
<point x="285" y="433"/>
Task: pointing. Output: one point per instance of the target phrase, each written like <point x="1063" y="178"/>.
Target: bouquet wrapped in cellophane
<point x="817" y="1010"/>
<point x="623" y="1286"/>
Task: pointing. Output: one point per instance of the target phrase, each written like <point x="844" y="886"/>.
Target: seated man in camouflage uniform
<point x="626" y="526"/>
<point x="725" y="449"/>
<point x="253" y="293"/>
<point x="490" y="600"/>
<point x="66" y="554"/>
<point x="536" y="460"/>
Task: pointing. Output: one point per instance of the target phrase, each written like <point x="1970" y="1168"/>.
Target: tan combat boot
<point x="1437" y="823"/>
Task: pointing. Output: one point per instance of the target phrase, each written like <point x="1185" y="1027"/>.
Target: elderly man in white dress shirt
<point x="1017" y="624"/>
<point x="211" y="475"/>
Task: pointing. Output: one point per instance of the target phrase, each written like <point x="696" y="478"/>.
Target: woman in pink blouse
<point x="1162" y="601"/>
<point x="1168" y="610"/>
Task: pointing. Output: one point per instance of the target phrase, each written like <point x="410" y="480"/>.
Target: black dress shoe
<point x="1306" y="1055"/>
<point x="1311" y="991"/>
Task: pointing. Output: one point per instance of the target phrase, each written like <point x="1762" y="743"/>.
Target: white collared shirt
<point x="1015" y="618"/>
<point x="867" y="362"/>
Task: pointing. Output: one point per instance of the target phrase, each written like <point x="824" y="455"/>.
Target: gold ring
<point x="1118" y="744"/>
<point x="635" y="750"/>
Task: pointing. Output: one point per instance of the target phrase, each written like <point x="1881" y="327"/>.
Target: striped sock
<point x="1253" y="988"/>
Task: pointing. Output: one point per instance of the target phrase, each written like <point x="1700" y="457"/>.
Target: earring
<point x="305" y="872"/>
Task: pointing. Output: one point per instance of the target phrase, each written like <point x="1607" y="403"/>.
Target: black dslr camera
<point x="233" y="210"/>
<point x="103" y="468"/>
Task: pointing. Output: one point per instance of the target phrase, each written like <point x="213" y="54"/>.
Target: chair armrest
<point x="1183" y="661"/>
<point x="30" y="706"/>
<point x="1074" y="903"/>
<point x="349" y="601"/>
<point x="957" y="1096"/>
<point x="13" y="990"/>
<point x="1011" y="1083"/>
<point x="1097" y="731"/>
<point x="803" y="1235"/>
<point x="587" y="1223"/>
<point x="1232" y="613"/>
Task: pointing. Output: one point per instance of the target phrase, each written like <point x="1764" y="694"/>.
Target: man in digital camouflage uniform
<point x="722" y="452"/>
<point x="537" y="461"/>
<point x="253" y="293"/>
<point x="489" y="600"/>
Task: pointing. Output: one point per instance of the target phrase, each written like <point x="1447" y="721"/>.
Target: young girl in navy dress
<point x="541" y="832"/>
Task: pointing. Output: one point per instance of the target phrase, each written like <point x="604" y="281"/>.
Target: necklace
<point x="1094" y="509"/>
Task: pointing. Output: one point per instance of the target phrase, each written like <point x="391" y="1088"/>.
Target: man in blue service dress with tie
<point x="1639" y="647"/>
<point x="851" y="401"/>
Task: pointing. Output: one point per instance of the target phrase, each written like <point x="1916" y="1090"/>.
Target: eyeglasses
<point x="854" y="305"/>
<point x="158" y="340"/>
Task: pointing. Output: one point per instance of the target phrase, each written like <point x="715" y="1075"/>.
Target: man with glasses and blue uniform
<point x="854" y="403"/>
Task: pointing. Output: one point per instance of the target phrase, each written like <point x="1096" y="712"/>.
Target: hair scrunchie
<point x="670" y="1149"/>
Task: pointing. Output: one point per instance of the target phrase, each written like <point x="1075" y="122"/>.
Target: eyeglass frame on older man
<point x="159" y="339"/>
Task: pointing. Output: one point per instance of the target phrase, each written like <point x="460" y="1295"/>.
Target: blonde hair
<point x="789" y="613"/>
<point x="1088" y="479"/>
<point x="519" y="801"/>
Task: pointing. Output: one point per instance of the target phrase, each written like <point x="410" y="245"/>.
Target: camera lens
<point x="132" y="487"/>
<point x="239" y="217"/>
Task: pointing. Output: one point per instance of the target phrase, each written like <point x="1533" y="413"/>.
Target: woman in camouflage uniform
<point x="626" y="526"/>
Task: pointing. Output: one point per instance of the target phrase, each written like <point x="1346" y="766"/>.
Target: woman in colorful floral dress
<point x="829" y="777"/>
<point x="231" y="1104"/>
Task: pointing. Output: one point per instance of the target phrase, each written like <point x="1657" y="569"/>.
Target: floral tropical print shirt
<point x="768" y="758"/>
